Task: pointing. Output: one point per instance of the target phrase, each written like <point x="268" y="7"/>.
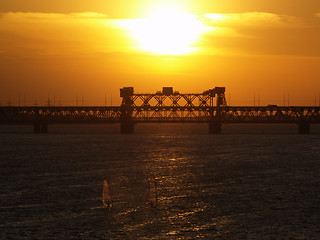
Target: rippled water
<point x="244" y="184"/>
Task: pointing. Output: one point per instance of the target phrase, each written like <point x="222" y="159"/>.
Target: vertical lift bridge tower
<point x="172" y="106"/>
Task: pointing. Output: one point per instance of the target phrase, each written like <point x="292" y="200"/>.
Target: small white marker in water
<point x="106" y="196"/>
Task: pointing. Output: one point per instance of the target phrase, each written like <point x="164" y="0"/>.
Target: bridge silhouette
<point x="166" y="106"/>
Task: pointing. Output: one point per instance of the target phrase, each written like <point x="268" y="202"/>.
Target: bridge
<point x="162" y="107"/>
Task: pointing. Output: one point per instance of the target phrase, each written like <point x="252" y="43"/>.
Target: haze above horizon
<point x="267" y="50"/>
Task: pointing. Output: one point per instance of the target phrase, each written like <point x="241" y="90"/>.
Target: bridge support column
<point x="127" y="126"/>
<point x="215" y="127"/>
<point x="40" y="127"/>
<point x="44" y="127"/>
<point x="36" y="127"/>
<point x="304" y="127"/>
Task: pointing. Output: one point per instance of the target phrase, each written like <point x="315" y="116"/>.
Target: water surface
<point x="252" y="182"/>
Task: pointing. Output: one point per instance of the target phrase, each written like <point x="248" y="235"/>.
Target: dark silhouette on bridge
<point x="162" y="107"/>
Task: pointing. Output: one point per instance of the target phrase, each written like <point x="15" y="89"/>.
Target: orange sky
<point x="89" y="49"/>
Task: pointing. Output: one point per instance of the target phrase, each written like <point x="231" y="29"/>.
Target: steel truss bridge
<point x="161" y="107"/>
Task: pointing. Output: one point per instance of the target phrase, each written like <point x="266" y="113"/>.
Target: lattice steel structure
<point x="20" y="115"/>
<point x="172" y="106"/>
<point x="165" y="106"/>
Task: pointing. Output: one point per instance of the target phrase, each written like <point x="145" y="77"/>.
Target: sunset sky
<point x="62" y="49"/>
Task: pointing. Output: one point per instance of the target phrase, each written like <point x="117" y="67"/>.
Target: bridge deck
<point x="97" y="114"/>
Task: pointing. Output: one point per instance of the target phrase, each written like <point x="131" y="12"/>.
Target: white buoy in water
<point x="106" y="196"/>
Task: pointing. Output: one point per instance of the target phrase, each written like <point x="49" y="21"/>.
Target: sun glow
<point x="167" y="31"/>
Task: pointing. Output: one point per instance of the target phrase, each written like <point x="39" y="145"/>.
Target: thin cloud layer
<point x="252" y="20"/>
<point x="55" y="33"/>
<point x="36" y="16"/>
<point x="30" y="33"/>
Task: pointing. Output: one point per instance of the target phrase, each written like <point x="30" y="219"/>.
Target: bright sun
<point x="166" y="31"/>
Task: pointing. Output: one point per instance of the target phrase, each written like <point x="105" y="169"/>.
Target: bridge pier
<point x="304" y="127"/>
<point x="36" y="127"/>
<point x="215" y="127"/>
<point x="44" y="127"/>
<point x="126" y="120"/>
<point x="126" y="126"/>
<point x="40" y="127"/>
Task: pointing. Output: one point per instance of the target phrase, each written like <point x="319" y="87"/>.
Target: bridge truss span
<point x="66" y="114"/>
<point x="228" y="114"/>
<point x="270" y="114"/>
<point x="236" y="114"/>
<point x="172" y="114"/>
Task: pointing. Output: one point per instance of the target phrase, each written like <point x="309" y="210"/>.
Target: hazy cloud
<point x="32" y="33"/>
<point x="91" y="15"/>
<point x="51" y="16"/>
<point x="252" y="20"/>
